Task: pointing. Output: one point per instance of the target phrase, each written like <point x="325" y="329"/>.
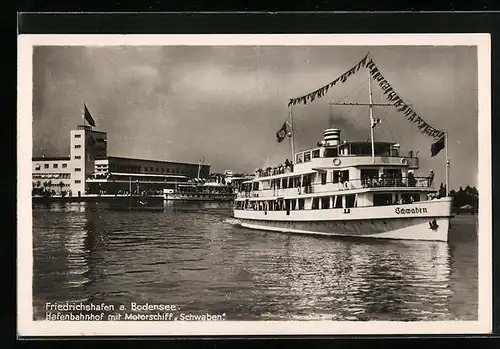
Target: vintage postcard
<point x="254" y="184"/>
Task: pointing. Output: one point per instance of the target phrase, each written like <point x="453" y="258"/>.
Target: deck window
<point x="299" y="158"/>
<point x="350" y="200"/>
<point x="368" y="174"/>
<point x="307" y="156"/>
<point x="315" y="203"/>
<point x="325" y="202"/>
<point x="301" y="204"/>
<point x="382" y="199"/>
<point x="340" y="176"/>
<point x="337" y="201"/>
<point x="315" y="153"/>
<point x="270" y="206"/>
<point x="409" y="198"/>
<point x="331" y="152"/>
<point x="323" y="178"/>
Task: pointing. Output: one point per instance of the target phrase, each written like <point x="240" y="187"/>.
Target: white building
<point x="89" y="170"/>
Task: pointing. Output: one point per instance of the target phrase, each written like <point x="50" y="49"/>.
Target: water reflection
<point x="191" y="256"/>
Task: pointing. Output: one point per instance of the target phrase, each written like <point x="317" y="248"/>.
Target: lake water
<point x="193" y="256"/>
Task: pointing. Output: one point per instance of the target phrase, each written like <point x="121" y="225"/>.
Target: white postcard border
<point x="28" y="327"/>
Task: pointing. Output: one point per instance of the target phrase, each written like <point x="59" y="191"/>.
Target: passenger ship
<point x="341" y="188"/>
<point x="211" y="191"/>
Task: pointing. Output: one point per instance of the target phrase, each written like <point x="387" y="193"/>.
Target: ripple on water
<point x="200" y="258"/>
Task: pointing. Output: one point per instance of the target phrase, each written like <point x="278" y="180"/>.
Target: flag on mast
<point x="375" y="122"/>
<point x="283" y="132"/>
<point x="87" y="116"/>
<point x="436" y="147"/>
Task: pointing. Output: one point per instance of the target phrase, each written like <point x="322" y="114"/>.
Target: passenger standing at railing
<point x="399" y="179"/>
<point x="430" y="179"/>
<point x="411" y="179"/>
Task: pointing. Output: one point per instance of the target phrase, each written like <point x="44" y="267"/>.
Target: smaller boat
<point x="201" y="191"/>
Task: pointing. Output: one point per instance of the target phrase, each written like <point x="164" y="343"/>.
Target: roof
<point x="157" y="161"/>
<point x="53" y="158"/>
<point x="369" y="143"/>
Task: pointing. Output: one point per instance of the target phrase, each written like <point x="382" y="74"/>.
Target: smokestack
<point x="331" y="137"/>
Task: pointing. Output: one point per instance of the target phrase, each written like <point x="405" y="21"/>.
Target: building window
<point x="151" y="169"/>
<point x="77" y="146"/>
<point x="157" y="169"/>
<point x="55" y="166"/>
<point x="78" y="136"/>
<point x="77" y="169"/>
<point x="37" y="167"/>
<point x="45" y="165"/>
<point x="77" y="181"/>
<point x="64" y="165"/>
<point x="77" y="157"/>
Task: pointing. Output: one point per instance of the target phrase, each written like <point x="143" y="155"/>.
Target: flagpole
<point x="447" y="179"/>
<point x="292" y="138"/>
<point x="371" y="116"/>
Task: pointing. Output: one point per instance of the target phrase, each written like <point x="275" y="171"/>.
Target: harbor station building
<point x="88" y="170"/>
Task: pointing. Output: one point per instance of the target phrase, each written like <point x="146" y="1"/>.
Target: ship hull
<point x="424" y="221"/>
<point x="211" y="198"/>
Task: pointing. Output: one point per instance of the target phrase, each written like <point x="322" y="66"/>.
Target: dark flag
<point x="375" y="122"/>
<point x="437" y="146"/>
<point x="281" y="134"/>
<point x="87" y="116"/>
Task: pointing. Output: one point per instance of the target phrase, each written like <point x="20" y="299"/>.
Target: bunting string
<point x="389" y="93"/>
<point x="310" y="97"/>
<point x="392" y="96"/>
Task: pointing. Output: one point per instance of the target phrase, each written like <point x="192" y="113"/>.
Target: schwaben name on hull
<point x="413" y="210"/>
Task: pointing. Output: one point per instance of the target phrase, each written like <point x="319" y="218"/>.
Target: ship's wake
<point x="232" y="221"/>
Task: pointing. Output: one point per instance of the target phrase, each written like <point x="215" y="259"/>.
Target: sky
<point x="226" y="103"/>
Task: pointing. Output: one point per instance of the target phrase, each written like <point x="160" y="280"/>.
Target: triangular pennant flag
<point x="87" y="116"/>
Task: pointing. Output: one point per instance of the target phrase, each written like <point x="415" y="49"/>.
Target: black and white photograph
<point x="254" y="184"/>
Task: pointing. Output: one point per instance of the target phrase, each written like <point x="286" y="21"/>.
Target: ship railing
<point x="272" y="171"/>
<point x="318" y="187"/>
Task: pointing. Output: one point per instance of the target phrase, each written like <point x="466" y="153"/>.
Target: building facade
<point x="52" y="175"/>
<point x="90" y="171"/>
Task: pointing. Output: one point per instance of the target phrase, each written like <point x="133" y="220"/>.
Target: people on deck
<point x="411" y="179"/>
<point x="430" y="178"/>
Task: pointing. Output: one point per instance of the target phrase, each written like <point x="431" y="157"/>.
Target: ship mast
<point x="370" y="105"/>
<point x="447" y="179"/>
<point x="199" y="167"/>
<point x="371" y="116"/>
<point x="292" y="135"/>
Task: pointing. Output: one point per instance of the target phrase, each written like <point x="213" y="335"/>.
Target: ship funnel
<point x="331" y="136"/>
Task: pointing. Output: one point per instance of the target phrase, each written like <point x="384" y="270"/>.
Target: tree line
<point x="462" y="197"/>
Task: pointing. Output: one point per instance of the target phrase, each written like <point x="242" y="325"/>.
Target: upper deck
<point x="347" y="154"/>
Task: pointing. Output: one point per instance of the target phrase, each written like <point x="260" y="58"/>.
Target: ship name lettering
<point x="400" y="210"/>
